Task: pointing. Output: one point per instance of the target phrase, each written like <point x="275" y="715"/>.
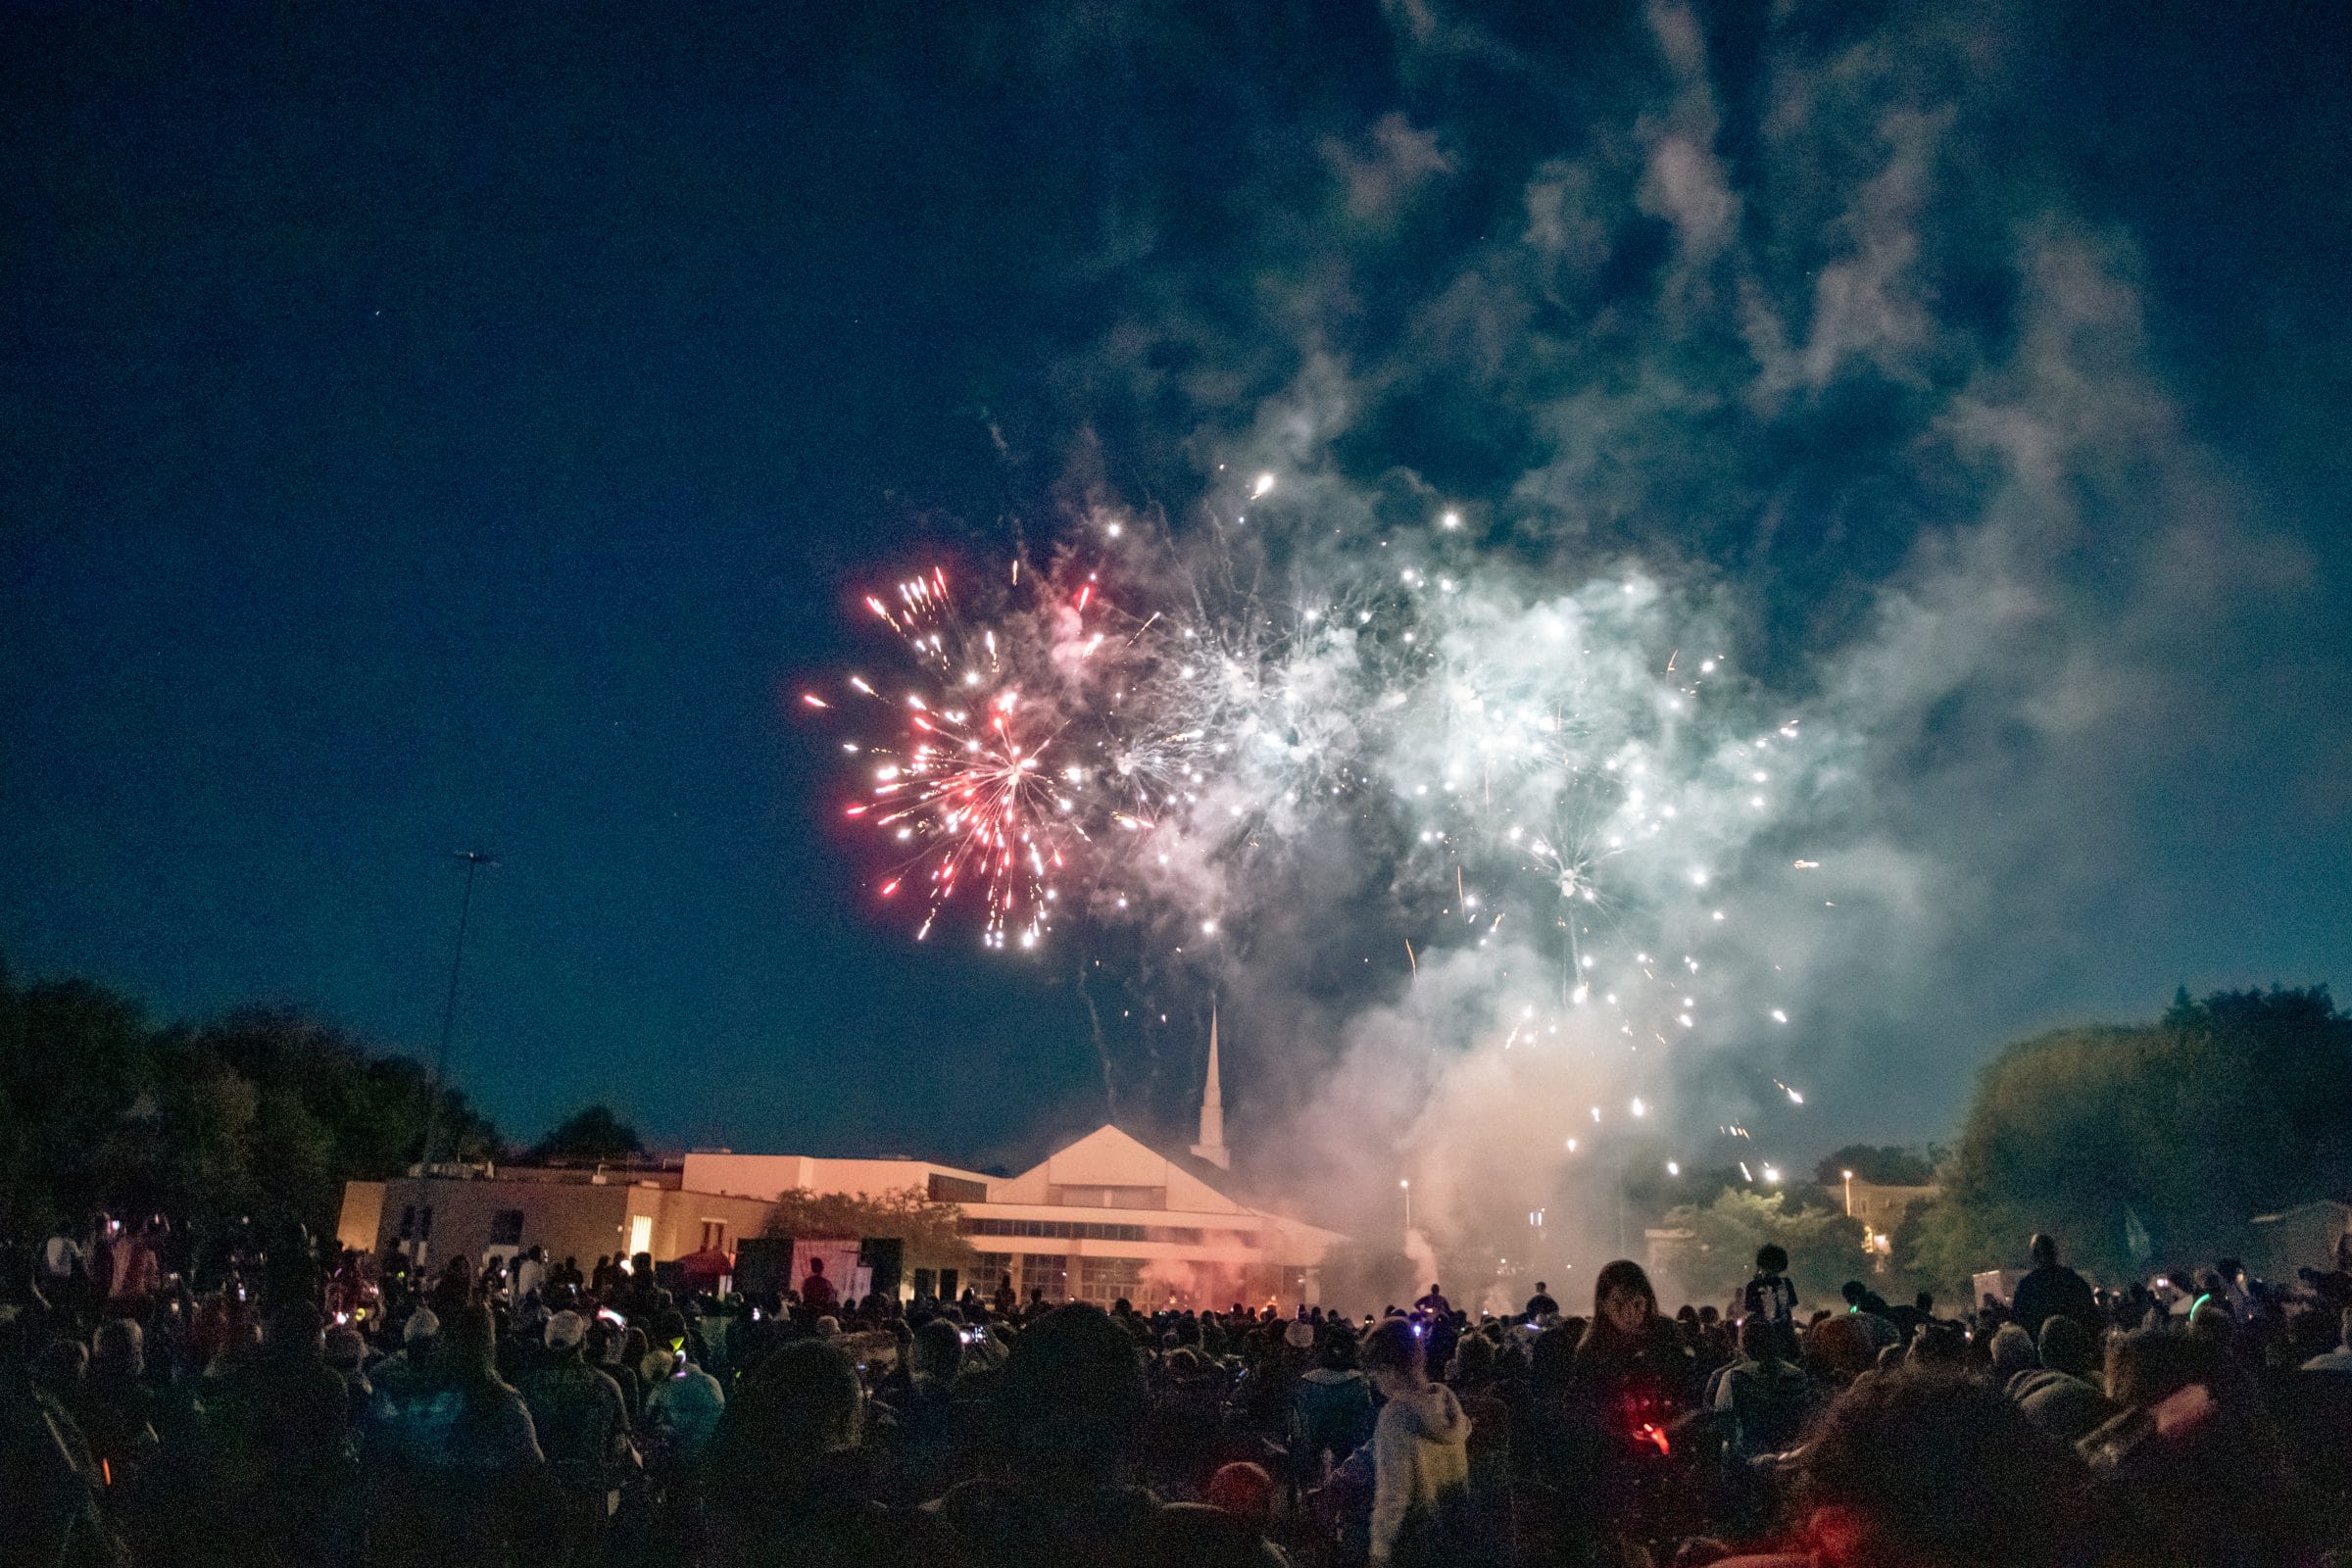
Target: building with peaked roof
<point x="1108" y="1216"/>
<point x="1101" y="1218"/>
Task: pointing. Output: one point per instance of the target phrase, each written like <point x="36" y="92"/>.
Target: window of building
<point x="1108" y="1196"/>
<point x="506" y="1228"/>
<point x="1076" y="1230"/>
<point x="407" y="1222"/>
<point x="1104" y="1280"/>
<point x="1047" y="1272"/>
<point x="988" y="1270"/>
<point x="956" y="1190"/>
<point x="715" y="1236"/>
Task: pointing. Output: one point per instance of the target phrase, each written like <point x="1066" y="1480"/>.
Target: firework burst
<point x="1134" y="735"/>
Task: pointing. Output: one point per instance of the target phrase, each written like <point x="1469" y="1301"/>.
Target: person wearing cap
<point x="583" y="1427"/>
<point x="683" y="1407"/>
<point x="347" y="1353"/>
<point x="455" y="1463"/>
<point x="417" y="1362"/>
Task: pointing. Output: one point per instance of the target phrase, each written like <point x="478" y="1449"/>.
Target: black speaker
<point x="763" y="1266"/>
<point x="883" y="1254"/>
<point x="946" y="1285"/>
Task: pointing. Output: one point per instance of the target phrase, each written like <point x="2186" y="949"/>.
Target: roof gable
<point x="1109" y="1156"/>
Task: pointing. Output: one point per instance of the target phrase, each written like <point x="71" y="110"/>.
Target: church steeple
<point x="1211" y="1146"/>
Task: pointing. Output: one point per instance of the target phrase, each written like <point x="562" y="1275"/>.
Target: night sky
<point x="444" y="429"/>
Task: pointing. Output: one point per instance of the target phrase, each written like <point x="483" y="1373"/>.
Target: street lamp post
<point x="474" y="860"/>
<point x="1406" y="1182"/>
<point x="1850" y="1192"/>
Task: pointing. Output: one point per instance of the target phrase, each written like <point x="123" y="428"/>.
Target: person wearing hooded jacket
<point x="1420" y="1457"/>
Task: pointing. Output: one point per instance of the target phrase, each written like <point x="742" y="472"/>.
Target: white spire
<point x="1211" y="1146"/>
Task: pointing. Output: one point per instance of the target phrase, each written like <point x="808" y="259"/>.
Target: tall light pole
<point x="475" y="861"/>
<point x="1848" y="1177"/>
<point x="1407" y="1183"/>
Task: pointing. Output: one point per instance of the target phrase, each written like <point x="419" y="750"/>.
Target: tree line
<point x="2141" y="1146"/>
<point x="261" y="1113"/>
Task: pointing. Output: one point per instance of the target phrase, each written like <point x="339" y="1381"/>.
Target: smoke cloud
<point x="1772" y="376"/>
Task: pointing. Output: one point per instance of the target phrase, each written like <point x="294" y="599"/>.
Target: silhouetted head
<point x="2066" y="1345"/>
<point x="2043" y="1249"/>
<point x="1394" y="1347"/>
<point x="1071" y="1394"/>
<point x="1930" y="1467"/>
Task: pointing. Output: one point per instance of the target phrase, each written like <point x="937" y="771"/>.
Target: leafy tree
<point x="1825" y="1248"/>
<point x="2224" y="1109"/>
<point x="926" y="1227"/>
<point x="1886" y="1166"/>
<point x="591" y="1137"/>
<point x="261" y="1113"/>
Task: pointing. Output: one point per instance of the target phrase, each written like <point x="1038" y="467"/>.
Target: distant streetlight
<point x="1850" y="1193"/>
<point x="1406" y="1184"/>
<point x="474" y="860"/>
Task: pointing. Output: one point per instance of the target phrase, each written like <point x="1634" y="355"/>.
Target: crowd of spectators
<point x="262" y="1400"/>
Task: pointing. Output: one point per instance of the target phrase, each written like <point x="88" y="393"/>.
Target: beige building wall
<point x="358" y="1226"/>
<point x="1110" y="1217"/>
<point x="1105" y="1216"/>
<point x="568" y="1218"/>
<point x="685" y="1217"/>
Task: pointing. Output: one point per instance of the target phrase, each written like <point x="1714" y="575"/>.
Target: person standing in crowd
<point x="682" y="1408"/>
<point x="1770" y="1295"/>
<point x="454" y="1459"/>
<point x="783" y="1478"/>
<point x="583" y="1428"/>
<point x="417" y="1361"/>
<point x="50" y="1486"/>
<point x="2052" y="1289"/>
<point x="1629" y="1346"/>
<point x="1333" y="1416"/>
<point x="530" y="1275"/>
<point x="922" y="1413"/>
<point x="1420" y="1457"/>
<point x="1541" y="1306"/>
<point x="346" y="1357"/>
<point x="1765" y="1396"/>
<point x="279" y="1417"/>
<point x="1931" y="1467"/>
<point x="816" y="1292"/>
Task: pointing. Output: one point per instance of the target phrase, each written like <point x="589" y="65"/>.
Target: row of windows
<point x="955" y="1189"/>
<point x="1078" y="1230"/>
<point x="1108" y="1196"/>
<point x="1104" y="1280"/>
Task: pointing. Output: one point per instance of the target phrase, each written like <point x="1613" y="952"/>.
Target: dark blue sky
<point x="428" y="431"/>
